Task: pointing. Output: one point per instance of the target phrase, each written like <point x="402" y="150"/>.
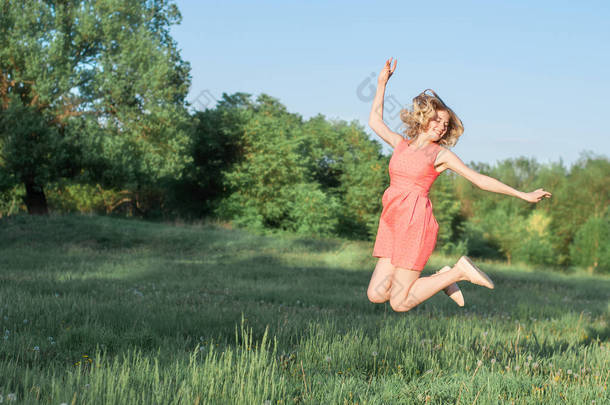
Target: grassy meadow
<point x="101" y="310"/>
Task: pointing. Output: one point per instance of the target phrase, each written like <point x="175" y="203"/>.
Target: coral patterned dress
<point x="407" y="228"/>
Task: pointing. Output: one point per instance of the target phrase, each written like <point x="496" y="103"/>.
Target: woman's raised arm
<point x="376" y="116"/>
<point x="453" y="162"/>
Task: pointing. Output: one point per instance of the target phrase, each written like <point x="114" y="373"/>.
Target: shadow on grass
<point x="190" y="283"/>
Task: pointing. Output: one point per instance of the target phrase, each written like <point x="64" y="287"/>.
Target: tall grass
<point x="99" y="310"/>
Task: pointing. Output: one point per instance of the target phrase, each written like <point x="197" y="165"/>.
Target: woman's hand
<point x="386" y="72"/>
<point x="536" y="195"/>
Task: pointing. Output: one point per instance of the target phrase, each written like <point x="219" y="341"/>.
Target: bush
<point x="535" y="250"/>
<point x="591" y="246"/>
<point x="311" y="211"/>
<point x="478" y="245"/>
<point x="11" y="201"/>
<point x="83" y="198"/>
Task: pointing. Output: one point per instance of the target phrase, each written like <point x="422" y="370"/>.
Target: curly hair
<point x="425" y="107"/>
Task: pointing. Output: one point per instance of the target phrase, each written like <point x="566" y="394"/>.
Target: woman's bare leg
<point x="410" y="290"/>
<point x="381" y="282"/>
<point x="379" y="288"/>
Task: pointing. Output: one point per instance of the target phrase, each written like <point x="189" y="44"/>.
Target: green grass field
<point x="100" y="310"/>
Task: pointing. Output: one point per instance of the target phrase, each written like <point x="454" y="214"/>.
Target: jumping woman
<point x="407" y="228"/>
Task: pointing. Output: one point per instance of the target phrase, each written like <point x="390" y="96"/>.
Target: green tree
<point x="584" y="193"/>
<point x="536" y="247"/>
<point x="316" y="176"/>
<point x="506" y="228"/>
<point x="260" y="186"/>
<point x="216" y="146"/>
<point x="91" y="90"/>
<point x="447" y="211"/>
<point x="348" y="165"/>
<point x="591" y="246"/>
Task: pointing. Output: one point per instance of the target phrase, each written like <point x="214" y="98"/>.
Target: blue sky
<point x="527" y="78"/>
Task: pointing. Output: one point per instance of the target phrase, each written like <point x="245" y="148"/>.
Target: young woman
<point x="407" y="228"/>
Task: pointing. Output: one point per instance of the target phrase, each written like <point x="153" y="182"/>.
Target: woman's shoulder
<point x="442" y="148"/>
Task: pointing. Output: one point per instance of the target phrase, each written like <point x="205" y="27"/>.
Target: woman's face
<point x="438" y="124"/>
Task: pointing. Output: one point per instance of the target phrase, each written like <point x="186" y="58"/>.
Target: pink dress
<point x="407" y="228"/>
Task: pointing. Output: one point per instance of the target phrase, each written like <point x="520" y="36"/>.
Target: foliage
<point x="270" y="164"/>
<point x="92" y="91"/>
<point x="11" y="201"/>
<point x="585" y="192"/>
<point x="276" y="171"/>
<point x="447" y="211"/>
<point x="85" y="198"/>
<point x="92" y="110"/>
<point x="536" y="247"/>
<point x="591" y="247"/>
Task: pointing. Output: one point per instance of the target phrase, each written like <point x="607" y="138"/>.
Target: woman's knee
<point x="400" y="294"/>
<point x="403" y="305"/>
<point x="377" y="297"/>
<point x="381" y="281"/>
<point x="379" y="290"/>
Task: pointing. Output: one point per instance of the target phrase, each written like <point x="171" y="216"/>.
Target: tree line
<point x="94" y="118"/>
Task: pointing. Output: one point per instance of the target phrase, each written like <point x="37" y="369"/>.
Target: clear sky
<point x="527" y="78"/>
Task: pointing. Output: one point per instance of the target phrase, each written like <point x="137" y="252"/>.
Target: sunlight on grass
<point x="121" y="311"/>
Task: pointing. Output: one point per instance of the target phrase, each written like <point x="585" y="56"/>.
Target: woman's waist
<point x="402" y="186"/>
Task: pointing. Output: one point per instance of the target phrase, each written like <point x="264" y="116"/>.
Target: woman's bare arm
<point x="376" y="116"/>
<point x="453" y="162"/>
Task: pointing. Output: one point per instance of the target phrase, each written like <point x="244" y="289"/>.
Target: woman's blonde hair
<point x="425" y="107"/>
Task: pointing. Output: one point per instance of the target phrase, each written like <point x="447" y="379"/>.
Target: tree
<point x="216" y="146"/>
<point x="447" y="208"/>
<point x="584" y="193"/>
<point x="536" y="247"/>
<point x="92" y="90"/>
<point x="348" y="165"/>
<point x="591" y="246"/>
<point x="262" y="184"/>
